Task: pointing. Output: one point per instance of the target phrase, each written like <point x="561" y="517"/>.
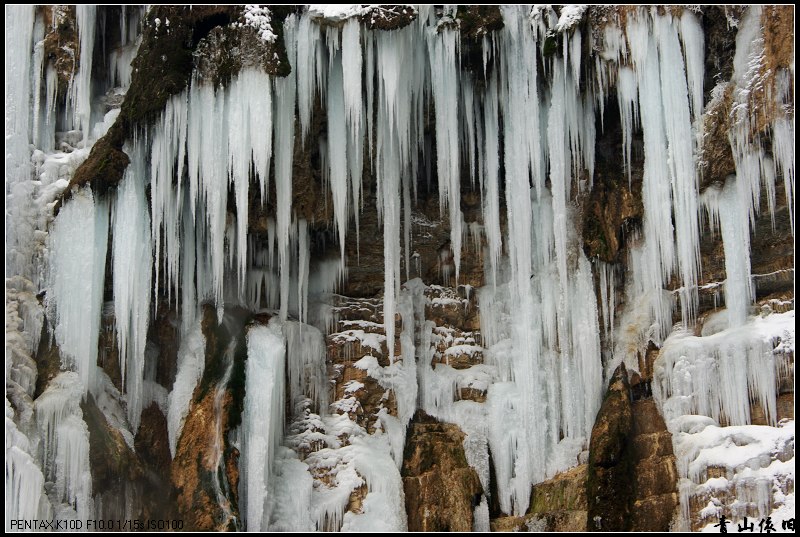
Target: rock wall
<point x="626" y="481"/>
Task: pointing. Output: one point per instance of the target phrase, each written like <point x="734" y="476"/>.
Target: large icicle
<point x="85" y="19"/>
<point x="284" y="152"/>
<point x="491" y="180"/>
<point x="132" y="266"/>
<point x="309" y="70"/>
<point x="168" y="147"/>
<point x="262" y="421"/>
<point x="443" y="47"/>
<point x="658" y="252"/>
<point x="676" y="100"/>
<point x="337" y="150"/>
<point x="727" y="208"/>
<point x="353" y="103"/>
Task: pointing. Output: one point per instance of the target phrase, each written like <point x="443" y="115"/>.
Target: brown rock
<point x="195" y="468"/>
<point x="61" y="46"/>
<point x="152" y="442"/>
<point x="611" y="469"/>
<point x="656" y="476"/>
<point x="566" y="491"/>
<point x="440" y="486"/>
<point x="654" y="513"/>
<point x="651" y="445"/>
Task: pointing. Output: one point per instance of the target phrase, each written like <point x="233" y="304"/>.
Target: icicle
<point x="783" y="140"/>
<point x="628" y="111"/>
<point x="727" y="208"/>
<point x="693" y="40"/>
<point x="308" y="69"/>
<point x="469" y="134"/>
<point x="659" y="250"/>
<point x="132" y="266"/>
<point x="284" y="153"/>
<point x="260" y="115"/>
<point x="388" y="178"/>
<point x="38" y="63"/>
<point x="19" y="34"/>
<point x="353" y="103"/>
<point x="607" y="280"/>
<point x="207" y="151"/>
<point x="168" y="146"/>
<point x="558" y="133"/>
<point x="406" y="224"/>
<point x="306" y="363"/>
<point x="24" y="479"/>
<point x="303" y="256"/>
<point x="491" y="181"/>
<point x="188" y="268"/>
<point x="337" y="150"/>
<point x="681" y="161"/>
<point x="444" y="82"/>
<point x="399" y="88"/>
<point x="85" y="20"/>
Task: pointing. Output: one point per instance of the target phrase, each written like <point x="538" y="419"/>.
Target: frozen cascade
<point x="726" y="208"/>
<point x="262" y="421"/>
<point x="65" y="445"/>
<point x="78" y="242"/>
<point x="24" y="479"/>
<point x="529" y="140"/>
<point x="19" y="34"/>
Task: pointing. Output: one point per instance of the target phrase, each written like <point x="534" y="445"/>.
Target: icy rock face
<point x="551" y="189"/>
<point x="704" y="386"/>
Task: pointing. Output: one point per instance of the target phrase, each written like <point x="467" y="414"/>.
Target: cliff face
<point x="397" y="268"/>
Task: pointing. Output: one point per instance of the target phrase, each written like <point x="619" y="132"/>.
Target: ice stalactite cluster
<point x="400" y="107"/>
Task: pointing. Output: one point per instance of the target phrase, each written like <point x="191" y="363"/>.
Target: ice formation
<point x="402" y="107"/>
